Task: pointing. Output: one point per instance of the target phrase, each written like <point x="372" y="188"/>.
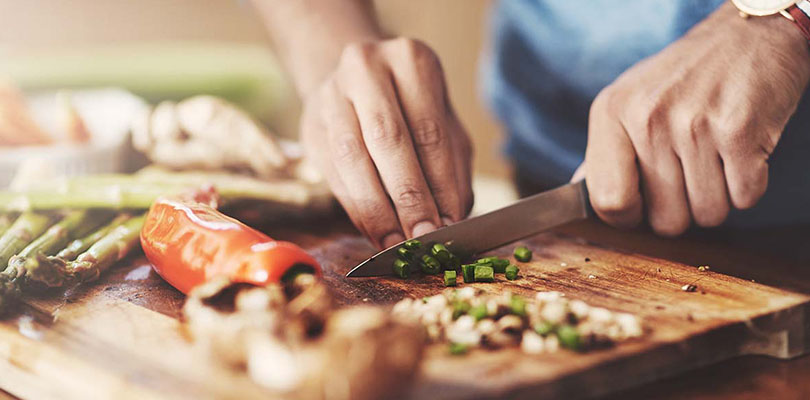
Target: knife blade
<point x="488" y="231"/>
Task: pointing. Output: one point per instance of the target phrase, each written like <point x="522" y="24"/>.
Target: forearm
<point x="310" y="34"/>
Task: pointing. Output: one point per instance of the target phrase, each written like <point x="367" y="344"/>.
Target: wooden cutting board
<point x="121" y="338"/>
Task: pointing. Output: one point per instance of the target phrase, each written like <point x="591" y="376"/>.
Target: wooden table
<point x="739" y="254"/>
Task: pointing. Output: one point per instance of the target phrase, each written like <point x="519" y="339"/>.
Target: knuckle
<point x="355" y="54"/>
<point x="408" y="196"/>
<point x="428" y="133"/>
<point x="699" y="126"/>
<point x="384" y="133"/>
<point x="347" y="147"/>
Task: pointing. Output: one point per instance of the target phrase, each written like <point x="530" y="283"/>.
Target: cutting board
<point x="121" y="337"/>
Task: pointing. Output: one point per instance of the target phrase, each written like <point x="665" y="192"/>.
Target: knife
<point x="491" y="230"/>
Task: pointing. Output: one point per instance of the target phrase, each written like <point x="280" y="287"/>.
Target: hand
<point x="384" y="134"/>
<point x="690" y="130"/>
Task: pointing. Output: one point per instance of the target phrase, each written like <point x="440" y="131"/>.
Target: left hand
<point x="690" y="129"/>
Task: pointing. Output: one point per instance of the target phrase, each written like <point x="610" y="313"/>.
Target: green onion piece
<point x="517" y="305"/>
<point x="486" y="260"/>
<point x="412" y="244"/>
<point x="458" y="349"/>
<point x="498" y="264"/>
<point x="479" y="312"/>
<point x="402" y="268"/>
<point x="405" y="254"/>
<point x="484" y="274"/>
<point x="441" y="253"/>
<point x="430" y="265"/>
<point x="468" y="272"/>
<point x="544" y="328"/>
<point x="523" y="254"/>
<point x="450" y="278"/>
<point x="512" y="272"/>
<point x="569" y="337"/>
<point x="460" y="308"/>
<point x="425" y="299"/>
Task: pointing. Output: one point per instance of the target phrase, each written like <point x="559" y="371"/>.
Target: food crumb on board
<point x="689" y="287"/>
<point x="562" y="264"/>
<point x="591" y="276"/>
<point x="659" y="270"/>
<point x="366" y="299"/>
<point x="704" y="268"/>
<point x="587" y="259"/>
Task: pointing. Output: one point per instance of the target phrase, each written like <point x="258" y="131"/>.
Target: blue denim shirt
<point x="552" y="57"/>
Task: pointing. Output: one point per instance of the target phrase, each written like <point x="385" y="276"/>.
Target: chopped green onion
<point x="425" y="299"/>
<point x="458" y="349"/>
<point x="569" y="337"/>
<point x="484" y="274"/>
<point x="479" y="312"/>
<point x="460" y="308"/>
<point x="498" y="264"/>
<point x="523" y="254"/>
<point x="517" y="305"/>
<point x="468" y="272"/>
<point x="430" y="265"/>
<point x="402" y="268"/>
<point x="512" y="272"/>
<point x="405" y="254"/>
<point x="412" y="244"/>
<point x="441" y="253"/>
<point x="543" y="328"/>
<point x="450" y="278"/>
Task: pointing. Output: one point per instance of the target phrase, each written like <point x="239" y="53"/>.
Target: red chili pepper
<point x="189" y="242"/>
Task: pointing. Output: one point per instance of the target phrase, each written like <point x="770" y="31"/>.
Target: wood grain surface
<point x="121" y="337"/>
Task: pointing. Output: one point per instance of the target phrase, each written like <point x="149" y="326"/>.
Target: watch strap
<point x="800" y="17"/>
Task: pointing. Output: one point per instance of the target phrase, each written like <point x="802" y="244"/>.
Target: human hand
<point x="686" y="134"/>
<point x="386" y="138"/>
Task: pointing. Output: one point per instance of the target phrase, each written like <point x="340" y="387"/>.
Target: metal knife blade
<point x="491" y="230"/>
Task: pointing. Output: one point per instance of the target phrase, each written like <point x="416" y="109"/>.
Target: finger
<point x="319" y="154"/>
<point x="705" y="185"/>
<point x="463" y="163"/>
<point x="747" y="179"/>
<point x="664" y="191"/>
<point x="389" y="145"/>
<point x="611" y="170"/>
<point x="420" y="88"/>
<point x="369" y="202"/>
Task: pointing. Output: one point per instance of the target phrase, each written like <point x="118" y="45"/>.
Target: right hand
<point x="386" y="138"/>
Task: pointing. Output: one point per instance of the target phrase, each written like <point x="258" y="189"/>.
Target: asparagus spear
<point x="104" y="253"/>
<point x="78" y="246"/>
<point x="26" y="228"/>
<point x="5" y="222"/>
<point x="138" y="192"/>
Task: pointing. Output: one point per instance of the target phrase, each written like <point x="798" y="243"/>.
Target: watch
<point x="796" y="11"/>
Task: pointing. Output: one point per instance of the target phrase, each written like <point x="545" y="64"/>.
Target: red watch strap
<point x="801" y="19"/>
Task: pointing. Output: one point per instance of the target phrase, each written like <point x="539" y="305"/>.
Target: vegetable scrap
<point x="704" y="268"/>
<point x="291" y="338"/>
<point x="468" y="318"/>
<point x="689" y="288"/>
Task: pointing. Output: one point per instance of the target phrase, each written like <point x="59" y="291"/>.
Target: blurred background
<point x="175" y="49"/>
<point x="172" y="49"/>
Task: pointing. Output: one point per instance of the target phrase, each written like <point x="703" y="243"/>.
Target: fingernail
<point x="446" y="221"/>
<point x="423" y="228"/>
<point x="392" y="239"/>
